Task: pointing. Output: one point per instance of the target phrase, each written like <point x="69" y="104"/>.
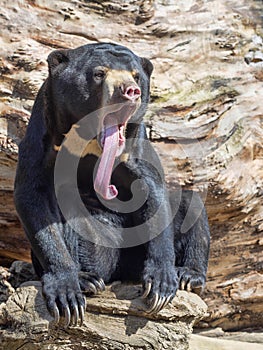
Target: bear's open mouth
<point x="121" y="134"/>
<point x="112" y="140"/>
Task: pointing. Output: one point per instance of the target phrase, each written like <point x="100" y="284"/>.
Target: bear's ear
<point x="147" y="66"/>
<point x="57" y="57"/>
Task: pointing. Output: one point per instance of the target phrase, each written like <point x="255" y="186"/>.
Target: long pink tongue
<point x="102" y="180"/>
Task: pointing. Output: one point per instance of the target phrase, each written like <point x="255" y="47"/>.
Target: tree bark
<point x="116" y="319"/>
<point x="205" y="118"/>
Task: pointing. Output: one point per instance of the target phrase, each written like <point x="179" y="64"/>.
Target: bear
<point x="94" y="205"/>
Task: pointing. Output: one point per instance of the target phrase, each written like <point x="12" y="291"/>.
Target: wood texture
<point x="205" y="118"/>
<point x="116" y="319"/>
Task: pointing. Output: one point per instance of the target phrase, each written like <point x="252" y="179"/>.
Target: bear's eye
<point x="99" y="75"/>
<point x="136" y="77"/>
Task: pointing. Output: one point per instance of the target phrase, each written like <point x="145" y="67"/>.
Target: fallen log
<point x="115" y="319"/>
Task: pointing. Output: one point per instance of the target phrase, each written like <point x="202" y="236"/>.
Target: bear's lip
<point x="112" y="141"/>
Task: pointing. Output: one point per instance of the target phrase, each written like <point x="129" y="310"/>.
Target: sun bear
<point x="90" y="190"/>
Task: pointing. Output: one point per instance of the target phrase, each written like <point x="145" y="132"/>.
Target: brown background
<point x="205" y="118"/>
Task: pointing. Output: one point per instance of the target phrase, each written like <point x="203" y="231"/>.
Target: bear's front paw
<point x="90" y="283"/>
<point x="63" y="297"/>
<point x="160" y="284"/>
<point x="191" y="280"/>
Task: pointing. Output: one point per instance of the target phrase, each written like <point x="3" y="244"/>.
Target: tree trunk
<point x="116" y="319"/>
<point x="205" y="118"/>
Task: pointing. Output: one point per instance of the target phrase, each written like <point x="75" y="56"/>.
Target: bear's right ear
<point x="57" y="57"/>
<point x="147" y="66"/>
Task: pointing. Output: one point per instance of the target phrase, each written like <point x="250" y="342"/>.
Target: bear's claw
<point x="159" y="289"/>
<point x="191" y="280"/>
<point x="90" y="283"/>
<point x="147" y="290"/>
<point x="158" y="303"/>
<point x="68" y="304"/>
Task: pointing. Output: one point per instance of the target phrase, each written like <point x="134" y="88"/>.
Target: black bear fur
<point x="67" y="263"/>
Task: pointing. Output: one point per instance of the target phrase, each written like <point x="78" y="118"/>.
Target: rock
<point x="115" y="319"/>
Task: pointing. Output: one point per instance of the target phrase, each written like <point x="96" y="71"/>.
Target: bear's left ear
<point x="147" y="66"/>
<point x="57" y="57"/>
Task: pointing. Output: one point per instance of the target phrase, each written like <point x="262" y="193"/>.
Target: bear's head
<point x="105" y="81"/>
<point x="94" y="76"/>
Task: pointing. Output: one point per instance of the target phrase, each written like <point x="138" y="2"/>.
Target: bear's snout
<point x="121" y="87"/>
<point x="130" y="91"/>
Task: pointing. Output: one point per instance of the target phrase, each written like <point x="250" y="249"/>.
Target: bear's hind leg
<point x="192" y="241"/>
<point x="37" y="266"/>
<point x="97" y="266"/>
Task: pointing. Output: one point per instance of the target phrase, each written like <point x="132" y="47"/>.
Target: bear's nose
<point x="130" y="91"/>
